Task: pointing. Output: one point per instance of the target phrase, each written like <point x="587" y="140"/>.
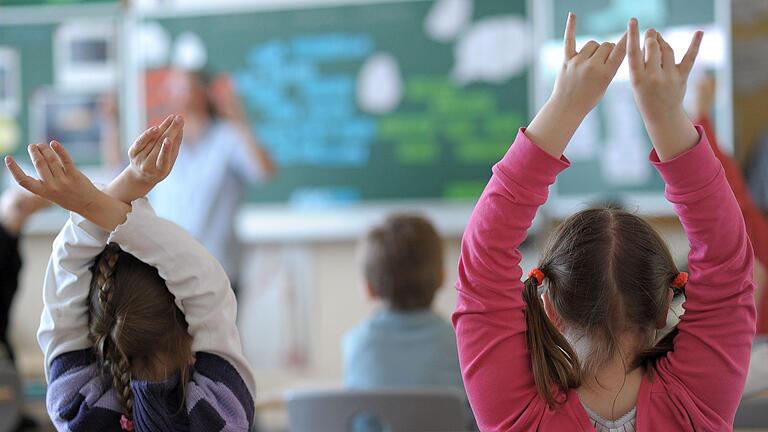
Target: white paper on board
<point x="493" y="50"/>
<point x="379" y="84"/>
<point x="448" y="18"/>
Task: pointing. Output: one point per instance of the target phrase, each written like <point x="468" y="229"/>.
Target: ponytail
<point x="554" y="363"/>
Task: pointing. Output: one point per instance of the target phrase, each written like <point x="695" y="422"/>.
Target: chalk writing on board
<point x="438" y="118"/>
<point x="307" y="105"/>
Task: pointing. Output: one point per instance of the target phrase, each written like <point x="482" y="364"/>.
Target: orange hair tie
<point x="538" y="275"/>
<point x="680" y="280"/>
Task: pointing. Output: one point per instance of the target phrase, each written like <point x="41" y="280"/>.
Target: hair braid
<point x="106" y="266"/>
<point x="112" y="358"/>
<point x="120" y="368"/>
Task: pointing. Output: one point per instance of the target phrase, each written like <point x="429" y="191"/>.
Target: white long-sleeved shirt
<point x="202" y="292"/>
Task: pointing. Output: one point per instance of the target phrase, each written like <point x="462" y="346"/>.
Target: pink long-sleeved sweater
<point x="695" y="387"/>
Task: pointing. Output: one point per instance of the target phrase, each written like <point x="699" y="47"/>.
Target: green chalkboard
<point x="299" y="75"/>
<point x="609" y="151"/>
<point x="33" y="44"/>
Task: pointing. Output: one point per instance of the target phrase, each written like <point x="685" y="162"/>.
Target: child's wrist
<point x="92" y="203"/>
<point x="566" y="110"/>
<point x="128" y="186"/>
<point x="672" y="134"/>
<point x="138" y="179"/>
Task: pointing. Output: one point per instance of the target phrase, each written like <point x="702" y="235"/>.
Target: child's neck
<point x="612" y="391"/>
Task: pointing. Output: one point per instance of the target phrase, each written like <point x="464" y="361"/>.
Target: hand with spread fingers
<point x="152" y="157"/>
<point x="59" y="179"/>
<point x="62" y="183"/>
<point x="585" y="74"/>
<point x="153" y="154"/>
<point x="659" y="85"/>
<point x="581" y="83"/>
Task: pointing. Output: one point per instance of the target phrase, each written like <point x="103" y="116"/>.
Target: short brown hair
<point x="403" y="261"/>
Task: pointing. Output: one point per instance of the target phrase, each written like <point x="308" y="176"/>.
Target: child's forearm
<point x="553" y="127"/>
<point x="106" y="211"/>
<point x="671" y="133"/>
<point x="127" y="187"/>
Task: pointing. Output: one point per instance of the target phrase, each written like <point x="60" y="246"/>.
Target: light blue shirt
<point x="402" y="349"/>
<point x="205" y="188"/>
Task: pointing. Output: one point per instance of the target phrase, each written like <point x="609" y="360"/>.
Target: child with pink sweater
<point x="577" y="346"/>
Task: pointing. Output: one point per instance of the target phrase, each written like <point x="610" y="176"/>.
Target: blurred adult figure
<point x="219" y="157"/>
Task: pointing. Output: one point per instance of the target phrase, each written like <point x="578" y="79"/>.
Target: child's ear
<point x="551" y="312"/>
<point x="661" y="320"/>
<point x="370" y="292"/>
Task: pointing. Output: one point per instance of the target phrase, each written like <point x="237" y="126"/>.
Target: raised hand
<point x="152" y="157"/>
<point x="659" y="86"/>
<point x="585" y="74"/>
<point x="153" y="154"/>
<point x="62" y="183"/>
<point x="580" y="85"/>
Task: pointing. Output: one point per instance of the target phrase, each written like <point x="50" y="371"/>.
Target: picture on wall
<point x="73" y="118"/>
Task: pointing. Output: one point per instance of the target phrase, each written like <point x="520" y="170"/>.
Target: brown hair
<point x="134" y="324"/>
<point x="608" y="273"/>
<point x="403" y="262"/>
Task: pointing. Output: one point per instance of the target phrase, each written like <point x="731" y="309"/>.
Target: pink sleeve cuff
<point x="527" y="163"/>
<point x="691" y="170"/>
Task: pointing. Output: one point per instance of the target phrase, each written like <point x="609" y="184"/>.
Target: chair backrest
<point x="376" y="411"/>
<point x="752" y="413"/>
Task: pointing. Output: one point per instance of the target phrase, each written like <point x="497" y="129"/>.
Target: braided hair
<point x="113" y="360"/>
<point x="133" y="317"/>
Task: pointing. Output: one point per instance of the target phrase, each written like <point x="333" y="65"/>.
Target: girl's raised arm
<point x="711" y="351"/>
<point x="489" y="317"/>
